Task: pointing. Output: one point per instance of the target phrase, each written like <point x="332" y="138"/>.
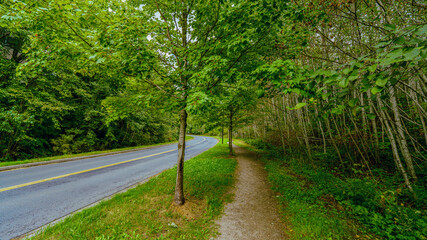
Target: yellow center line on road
<point x="84" y="171"/>
<point x="75" y="173"/>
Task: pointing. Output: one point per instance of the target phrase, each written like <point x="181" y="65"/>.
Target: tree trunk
<point x="323" y="136"/>
<point x="401" y="135"/>
<point x="222" y="135"/>
<point x="374" y="128"/>
<point x="230" y="133"/>
<point x="328" y="125"/>
<point x="394" y="148"/>
<point x="300" y="117"/>
<point x="276" y="113"/>
<point x="179" y="187"/>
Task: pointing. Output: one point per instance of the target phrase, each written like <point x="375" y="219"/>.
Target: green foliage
<point x="97" y="61"/>
<point x="69" y="108"/>
<point x="14" y="129"/>
<point x="401" y="48"/>
<point x="7" y="71"/>
<point x="306" y="191"/>
<point x="307" y="215"/>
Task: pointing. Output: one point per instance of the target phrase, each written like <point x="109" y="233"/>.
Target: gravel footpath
<point x="254" y="212"/>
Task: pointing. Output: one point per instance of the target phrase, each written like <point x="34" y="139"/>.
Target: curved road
<point x="33" y="197"/>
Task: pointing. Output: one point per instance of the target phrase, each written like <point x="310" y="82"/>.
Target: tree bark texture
<point x="179" y="187"/>
<point x="230" y="133"/>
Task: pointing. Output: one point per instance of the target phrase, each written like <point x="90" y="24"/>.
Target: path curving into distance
<point x="33" y="197"/>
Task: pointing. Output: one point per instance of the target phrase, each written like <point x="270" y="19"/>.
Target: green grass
<point x="320" y="201"/>
<point x="148" y="212"/>
<point x="33" y="160"/>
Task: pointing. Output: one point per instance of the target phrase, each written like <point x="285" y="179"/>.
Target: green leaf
<point x="371" y="116"/>
<point x="422" y="30"/>
<point x="355" y="110"/>
<point x="389" y="27"/>
<point x="372" y="76"/>
<point x="381" y="82"/>
<point x="325" y="96"/>
<point x="372" y="68"/>
<point x="338" y="109"/>
<point x="352" y="102"/>
<point x="376" y="90"/>
<point x="395" y="54"/>
<point x="411" y="54"/>
<point x="424" y="53"/>
<point x="346" y="71"/>
<point x="382" y="44"/>
<point x="353" y="77"/>
<point x="298" y="106"/>
<point x="343" y="83"/>
<point x="400" y="40"/>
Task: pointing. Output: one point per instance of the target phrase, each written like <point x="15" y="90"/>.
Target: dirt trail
<point x="253" y="214"/>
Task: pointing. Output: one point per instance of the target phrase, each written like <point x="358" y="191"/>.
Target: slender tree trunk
<point x="394" y="148"/>
<point x="374" y="128"/>
<point x="419" y="110"/>
<point x="364" y="121"/>
<point x="179" y="187"/>
<point x="254" y="128"/>
<point x="285" y="119"/>
<point x="230" y="133"/>
<point x="328" y="125"/>
<point x="276" y="112"/>
<point x="319" y="122"/>
<point x="222" y="135"/>
<point x="303" y="123"/>
<point x="323" y="136"/>
<point x="401" y="134"/>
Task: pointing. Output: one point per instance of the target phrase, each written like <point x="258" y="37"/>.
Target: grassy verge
<point x="308" y="212"/>
<point x="148" y="212"/>
<point x="10" y="163"/>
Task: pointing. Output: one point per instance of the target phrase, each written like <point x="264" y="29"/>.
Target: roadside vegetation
<point x="118" y="150"/>
<point x="319" y="202"/>
<point x="335" y="91"/>
<point x="148" y="211"/>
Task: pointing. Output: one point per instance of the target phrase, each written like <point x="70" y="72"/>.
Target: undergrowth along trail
<point x="317" y="204"/>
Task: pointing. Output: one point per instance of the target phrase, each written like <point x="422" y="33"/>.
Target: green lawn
<point x="148" y="211"/>
<point x="10" y="163"/>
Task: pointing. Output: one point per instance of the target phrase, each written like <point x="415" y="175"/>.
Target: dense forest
<point x="50" y="109"/>
<point x="339" y="85"/>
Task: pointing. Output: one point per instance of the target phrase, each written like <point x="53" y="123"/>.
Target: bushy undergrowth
<point x="365" y="200"/>
<point x="326" y="205"/>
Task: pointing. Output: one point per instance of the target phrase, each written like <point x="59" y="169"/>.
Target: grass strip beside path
<point x="307" y="213"/>
<point x="33" y="160"/>
<point x="148" y="211"/>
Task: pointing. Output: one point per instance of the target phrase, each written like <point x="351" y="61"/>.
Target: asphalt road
<point x="33" y="197"/>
